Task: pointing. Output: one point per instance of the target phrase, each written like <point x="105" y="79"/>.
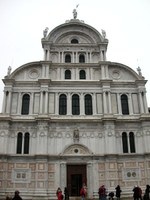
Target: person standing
<point x="83" y="192"/>
<point x="66" y="193"/>
<point x="136" y="193"/>
<point x="59" y="194"/>
<point x="17" y="196"/>
<point x="118" y="192"/>
<point x="102" y="193"/>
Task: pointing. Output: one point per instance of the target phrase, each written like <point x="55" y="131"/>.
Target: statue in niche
<point x="76" y="135"/>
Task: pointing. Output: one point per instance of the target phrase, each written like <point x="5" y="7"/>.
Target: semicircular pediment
<point x="76" y="149"/>
<point x="87" y="32"/>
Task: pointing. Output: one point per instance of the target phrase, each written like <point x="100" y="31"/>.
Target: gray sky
<point x="126" y="22"/>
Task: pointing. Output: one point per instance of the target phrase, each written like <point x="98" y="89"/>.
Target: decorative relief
<point x="34" y="74"/>
<point x="131" y="173"/>
<point x="112" y="166"/>
<point x="41" y="166"/>
<point x="21" y="175"/>
<point x="130" y="164"/>
<point x="116" y="74"/>
<point x="32" y="167"/>
<point x="21" y="165"/>
<point x="76" y="150"/>
<point x="101" y="166"/>
<point x="51" y="167"/>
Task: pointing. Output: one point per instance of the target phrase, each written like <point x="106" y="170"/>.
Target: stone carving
<point x="9" y="71"/>
<point x="45" y="32"/>
<point x="139" y="71"/>
<point x="103" y="33"/>
<point x="76" y="135"/>
<point x="75" y="12"/>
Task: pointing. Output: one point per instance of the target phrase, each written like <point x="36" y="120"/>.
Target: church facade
<point x="73" y="118"/>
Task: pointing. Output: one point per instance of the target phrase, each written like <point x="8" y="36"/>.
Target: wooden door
<point x="76" y="176"/>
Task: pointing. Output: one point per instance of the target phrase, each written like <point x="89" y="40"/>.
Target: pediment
<point x="76" y="149"/>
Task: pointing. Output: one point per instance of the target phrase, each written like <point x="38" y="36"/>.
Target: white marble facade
<point x="38" y="142"/>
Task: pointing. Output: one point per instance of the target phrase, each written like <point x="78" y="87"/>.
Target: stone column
<point x="86" y="57"/>
<point x="90" y="57"/>
<point x="130" y="104"/>
<point x="63" y="175"/>
<point x="94" y="104"/>
<point x="8" y="108"/>
<point x="76" y="60"/>
<point x="46" y="103"/>
<point x="31" y="104"/>
<point x="141" y="103"/>
<point x="90" y="180"/>
<point x="104" y="102"/>
<point x="56" y="104"/>
<point x="119" y="104"/>
<point x="145" y="102"/>
<point x="102" y="70"/>
<point x="62" y="57"/>
<point x="109" y="102"/>
<point x="59" y="56"/>
<point x="41" y="102"/>
<point x="4" y="102"/>
<point x="69" y="104"/>
<point x="82" y="105"/>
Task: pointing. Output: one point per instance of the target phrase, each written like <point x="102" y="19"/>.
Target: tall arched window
<point x="125" y="142"/>
<point x="75" y="104"/>
<point x="67" y="58"/>
<point x="67" y="74"/>
<point x="124" y="104"/>
<point x="81" y="58"/>
<point x="132" y="142"/>
<point x="26" y="143"/>
<point x="88" y="104"/>
<point x="19" y="143"/>
<point x="62" y="104"/>
<point x="74" y="41"/>
<point x="82" y="74"/>
<point x="25" y="104"/>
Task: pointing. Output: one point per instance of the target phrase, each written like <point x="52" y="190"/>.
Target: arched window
<point x="125" y="142"/>
<point x="19" y="143"/>
<point x="67" y="58"/>
<point x="67" y="74"/>
<point x="75" y="104"/>
<point x="25" y="104"/>
<point x="88" y="104"/>
<point x="82" y="74"/>
<point x="62" y="104"/>
<point x="81" y="58"/>
<point x="132" y="142"/>
<point x="26" y="143"/>
<point x="74" y="41"/>
<point x="124" y="104"/>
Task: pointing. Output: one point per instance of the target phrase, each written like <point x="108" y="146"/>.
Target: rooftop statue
<point x="75" y="12"/>
<point x="45" y="32"/>
<point x="139" y="71"/>
<point x="9" y="70"/>
<point x="103" y="33"/>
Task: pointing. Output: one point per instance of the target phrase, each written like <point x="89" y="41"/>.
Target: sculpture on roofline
<point x="45" y="32"/>
<point x="75" y="12"/>
<point x="9" y="70"/>
<point x="104" y="33"/>
<point x="139" y="71"/>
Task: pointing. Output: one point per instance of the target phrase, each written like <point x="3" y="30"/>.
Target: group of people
<point x="60" y="195"/>
<point x="137" y="193"/>
<point x="103" y="193"/>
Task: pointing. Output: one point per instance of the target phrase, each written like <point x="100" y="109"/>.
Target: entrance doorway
<point x="76" y="176"/>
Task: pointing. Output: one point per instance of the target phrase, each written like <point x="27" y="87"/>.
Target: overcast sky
<point x="126" y="22"/>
